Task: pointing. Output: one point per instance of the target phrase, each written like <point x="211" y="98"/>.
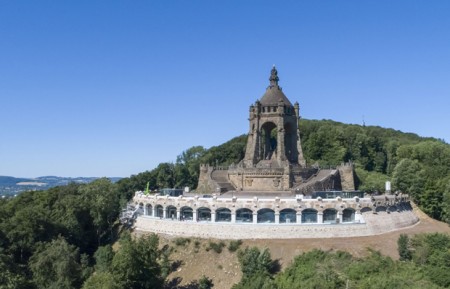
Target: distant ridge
<point x="10" y="186"/>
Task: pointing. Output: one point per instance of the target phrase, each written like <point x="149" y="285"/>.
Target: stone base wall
<point x="374" y="224"/>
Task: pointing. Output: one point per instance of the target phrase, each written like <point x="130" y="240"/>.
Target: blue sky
<point x="112" y="88"/>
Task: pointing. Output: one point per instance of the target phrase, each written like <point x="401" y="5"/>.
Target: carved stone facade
<point x="274" y="160"/>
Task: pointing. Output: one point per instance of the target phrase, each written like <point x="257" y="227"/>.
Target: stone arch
<point x="288" y="216"/>
<point x="269" y="140"/>
<point x="348" y="215"/>
<point x="380" y="209"/>
<point x="171" y="212"/>
<point x="266" y="216"/>
<point x="149" y="209"/>
<point x="393" y="208"/>
<point x="223" y="215"/>
<point x="244" y="215"/>
<point x="159" y="211"/>
<point x="290" y="140"/>
<point x="186" y="213"/>
<point x="329" y="215"/>
<point x="204" y="214"/>
<point x="309" y="216"/>
<point x="141" y="209"/>
<point x="366" y="209"/>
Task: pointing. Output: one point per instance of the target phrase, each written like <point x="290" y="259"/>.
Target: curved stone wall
<point x="365" y="216"/>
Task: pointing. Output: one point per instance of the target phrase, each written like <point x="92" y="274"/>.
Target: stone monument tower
<point x="273" y="162"/>
<point x="274" y="136"/>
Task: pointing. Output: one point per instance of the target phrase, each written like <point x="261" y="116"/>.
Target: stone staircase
<point x="318" y="182"/>
<point x="221" y="178"/>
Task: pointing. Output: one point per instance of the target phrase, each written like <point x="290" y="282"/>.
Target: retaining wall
<point x="379" y="223"/>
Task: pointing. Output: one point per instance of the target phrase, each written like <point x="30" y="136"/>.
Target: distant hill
<point x="10" y="186"/>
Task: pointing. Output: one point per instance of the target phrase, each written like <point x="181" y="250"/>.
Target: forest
<point x="69" y="236"/>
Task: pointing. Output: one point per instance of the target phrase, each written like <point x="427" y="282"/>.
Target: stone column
<point x="320" y="217"/>
<point x="277" y="217"/>
<point x="255" y="217"/>
<point x="194" y="215"/>
<point x="358" y="216"/>
<point x="233" y="217"/>
<point x="299" y="217"/>
<point x="164" y="212"/>
<point x="339" y="216"/>
<point x="213" y="216"/>
<point x="154" y="211"/>
<point x="178" y="214"/>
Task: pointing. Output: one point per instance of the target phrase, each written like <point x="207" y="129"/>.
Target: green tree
<point x="408" y="177"/>
<point x="55" y="265"/>
<point x="103" y="258"/>
<point x="101" y="280"/>
<point x="404" y="250"/>
<point x="135" y="265"/>
<point x="254" y="261"/>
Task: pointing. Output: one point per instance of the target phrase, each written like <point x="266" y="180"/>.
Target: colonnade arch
<point x="159" y="211"/>
<point x="171" y="212"/>
<point x="288" y="216"/>
<point x="266" y="216"/>
<point x="205" y="213"/>
<point x="223" y="215"/>
<point x="348" y="215"/>
<point x="149" y="210"/>
<point x="186" y="213"/>
<point x="329" y="215"/>
<point x="309" y="216"/>
<point x="244" y="215"/>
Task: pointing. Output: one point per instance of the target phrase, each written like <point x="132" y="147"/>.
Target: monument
<point x="274" y="160"/>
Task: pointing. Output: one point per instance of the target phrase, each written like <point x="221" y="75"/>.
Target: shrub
<point x="182" y="241"/>
<point x="234" y="245"/>
<point x="216" y="247"/>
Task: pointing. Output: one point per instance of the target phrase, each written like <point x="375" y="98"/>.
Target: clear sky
<point x="112" y="88"/>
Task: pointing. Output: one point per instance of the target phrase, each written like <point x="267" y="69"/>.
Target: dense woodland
<point x="62" y="237"/>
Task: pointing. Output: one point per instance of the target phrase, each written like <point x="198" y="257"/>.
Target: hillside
<point x="224" y="268"/>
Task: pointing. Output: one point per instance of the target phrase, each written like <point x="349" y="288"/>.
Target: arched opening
<point x="149" y="210"/>
<point x="366" y="210"/>
<point x="348" y="215"/>
<point x="159" y="211"/>
<point x="223" y="215"/>
<point x="380" y="209"/>
<point x="266" y="216"/>
<point x="290" y="142"/>
<point x="288" y="216"/>
<point x="140" y="210"/>
<point x="269" y="136"/>
<point x="204" y="214"/>
<point x="186" y="213"/>
<point x="309" y="216"/>
<point x="171" y="212"/>
<point x="329" y="216"/>
<point x="244" y="216"/>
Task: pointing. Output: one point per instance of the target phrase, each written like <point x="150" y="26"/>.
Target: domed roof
<point x="274" y="93"/>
